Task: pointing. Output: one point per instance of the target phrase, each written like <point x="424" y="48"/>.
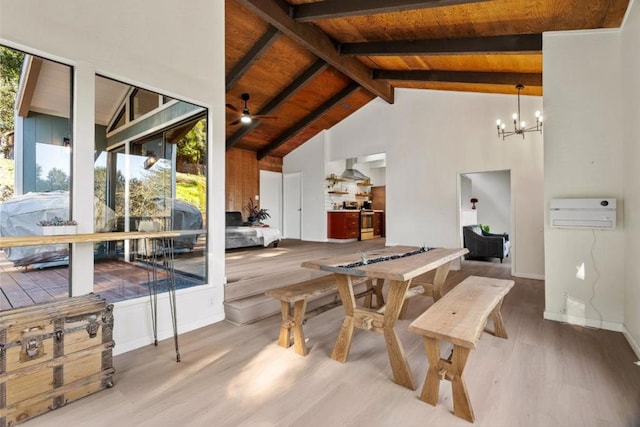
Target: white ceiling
<point x="52" y="94"/>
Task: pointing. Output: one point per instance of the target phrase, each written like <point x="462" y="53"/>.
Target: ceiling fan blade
<point x="231" y="107"/>
<point x="235" y="122"/>
<point x="262" y="116"/>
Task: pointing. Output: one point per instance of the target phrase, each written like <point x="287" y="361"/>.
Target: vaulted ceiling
<point x="313" y="63"/>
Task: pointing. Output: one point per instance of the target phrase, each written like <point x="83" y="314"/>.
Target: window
<point x="142" y="102"/>
<point x="152" y="177"/>
<point x="35" y="175"/>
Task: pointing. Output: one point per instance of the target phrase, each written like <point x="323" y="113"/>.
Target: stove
<point x="366" y="224"/>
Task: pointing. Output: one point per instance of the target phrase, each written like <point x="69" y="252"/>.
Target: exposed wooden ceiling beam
<point x="330" y="9"/>
<point x="309" y="118"/>
<point x="511" y="44"/>
<point x="309" y="74"/>
<point x="33" y="73"/>
<point x="256" y="51"/>
<point x="527" y="79"/>
<point x="317" y="42"/>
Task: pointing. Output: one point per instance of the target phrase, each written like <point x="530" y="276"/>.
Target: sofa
<point x="485" y="245"/>
<point x="239" y="234"/>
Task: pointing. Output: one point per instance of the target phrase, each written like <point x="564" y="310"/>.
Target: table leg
<point x="378" y="291"/>
<point x="343" y="343"/>
<point x="399" y="366"/>
<point x="439" y="279"/>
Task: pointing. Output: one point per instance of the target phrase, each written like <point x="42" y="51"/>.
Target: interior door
<point x="292" y="186"/>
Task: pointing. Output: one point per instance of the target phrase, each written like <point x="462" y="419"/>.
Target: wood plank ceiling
<point x="313" y="63"/>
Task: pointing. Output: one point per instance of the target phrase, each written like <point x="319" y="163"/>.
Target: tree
<point x="192" y="146"/>
<point x="10" y="66"/>
<point x="58" y="180"/>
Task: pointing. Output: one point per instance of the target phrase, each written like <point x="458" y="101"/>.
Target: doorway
<point x="492" y="195"/>
<point x="292" y="218"/>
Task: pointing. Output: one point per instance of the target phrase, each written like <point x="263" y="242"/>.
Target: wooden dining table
<point x="398" y="265"/>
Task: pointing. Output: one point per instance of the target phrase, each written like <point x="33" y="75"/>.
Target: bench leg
<point x="498" y="324"/>
<point x="461" y="403"/>
<point x="293" y="322"/>
<point x="431" y="387"/>
<point x="378" y="291"/>
<point x="299" y="345"/>
<point x="441" y="369"/>
<point x="285" y="327"/>
<point x="375" y="289"/>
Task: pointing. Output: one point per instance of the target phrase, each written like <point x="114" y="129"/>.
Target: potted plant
<point x="57" y="225"/>
<point x="256" y="214"/>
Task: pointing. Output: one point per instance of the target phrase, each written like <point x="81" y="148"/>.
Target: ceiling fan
<point x="245" y="115"/>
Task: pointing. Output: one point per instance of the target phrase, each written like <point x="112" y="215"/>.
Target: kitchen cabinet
<point x="378" y="224"/>
<point x="343" y="225"/>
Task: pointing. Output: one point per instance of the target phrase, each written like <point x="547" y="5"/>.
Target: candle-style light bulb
<point x="523" y="124"/>
<point x="498" y="122"/>
<point x="514" y="116"/>
<point x="538" y="113"/>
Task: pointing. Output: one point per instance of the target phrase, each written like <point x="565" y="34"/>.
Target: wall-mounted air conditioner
<point x="583" y="213"/>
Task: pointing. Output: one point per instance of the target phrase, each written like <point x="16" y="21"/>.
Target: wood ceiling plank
<point x="527" y="79"/>
<point x="317" y="42"/>
<point x="310" y="118"/>
<point x="268" y="77"/>
<point x="247" y="61"/>
<point x="308" y="75"/>
<point x="331" y="9"/>
<point x="498" y="17"/>
<point x="530" y="63"/>
<point x="338" y="113"/>
<point x="241" y="31"/>
<point x="514" y="44"/>
<point x="508" y="89"/>
<point x="303" y="103"/>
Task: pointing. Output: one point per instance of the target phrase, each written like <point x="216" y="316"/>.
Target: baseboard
<point x="529" y="276"/>
<point x="633" y="343"/>
<point x="582" y="321"/>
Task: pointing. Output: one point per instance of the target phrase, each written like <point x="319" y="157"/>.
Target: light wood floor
<point x="545" y="374"/>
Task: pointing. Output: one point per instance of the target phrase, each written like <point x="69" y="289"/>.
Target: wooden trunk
<point x="53" y="353"/>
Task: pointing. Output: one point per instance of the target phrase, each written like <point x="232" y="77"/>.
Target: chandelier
<point x="519" y="126"/>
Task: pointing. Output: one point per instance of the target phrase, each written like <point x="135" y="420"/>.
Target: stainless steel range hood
<point x="351" y="173"/>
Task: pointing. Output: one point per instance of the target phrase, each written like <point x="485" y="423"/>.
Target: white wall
<point x="583" y="158"/>
<point x="309" y="159"/>
<point x="271" y="197"/>
<point x="425" y="157"/>
<point x="493" y="190"/>
<point x="186" y="62"/>
<point x="466" y="192"/>
<point x="631" y="111"/>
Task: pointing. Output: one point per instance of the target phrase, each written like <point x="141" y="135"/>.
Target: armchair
<point x="481" y="244"/>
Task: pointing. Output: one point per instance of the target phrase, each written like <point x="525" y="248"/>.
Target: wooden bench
<point x="459" y="318"/>
<point x="299" y="293"/>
